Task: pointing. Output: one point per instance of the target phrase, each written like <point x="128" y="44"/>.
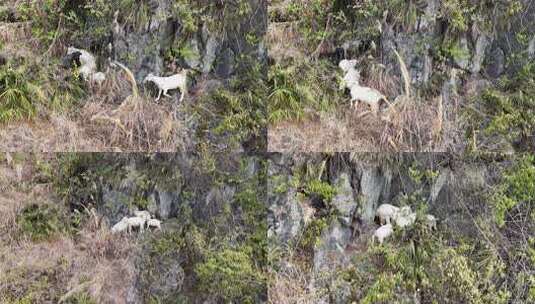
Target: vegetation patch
<point x="42" y="221"/>
<point x="231" y="275"/>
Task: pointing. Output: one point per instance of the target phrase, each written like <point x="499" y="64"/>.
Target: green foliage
<point x="458" y="13"/>
<point x="19" y="96"/>
<point x="312" y="233"/>
<point x="80" y="298"/>
<point x="383" y="290"/>
<point x="418" y="262"/>
<point x="517" y="187"/>
<point x="189" y="16"/>
<point x="298" y="88"/>
<point x="322" y="189"/>
<point x="166" y="243"/>
<point x="511" y="106"/>
<point x="42" y="221"/>
<point x="26" y="88"/>
<point x="241" y="106"/>
<point x="231" y="275"/>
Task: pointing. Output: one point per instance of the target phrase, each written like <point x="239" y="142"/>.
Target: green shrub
<point x="231" y="275"/>
<point x="19" y="96"/>
<point x="383" y="290"/>
<point x="511" y="106"/>
<point x="241" y="111"/>
<point x="297" y="88"/>
<point x="322" y="189"/>
<point x="517" y="187"/>
<point x="42" y="221"/>
<point x="80" y="298"/>
<point x="312" y="233"/>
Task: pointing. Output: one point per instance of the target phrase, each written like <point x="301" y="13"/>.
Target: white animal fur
<point x="121" y="226"/>
<point x="154" y="223"/>
<point x="351" y="79"/>
<point x="368" y="95"/>
<point x="386" y="213"/>
<point x="143" y="214"/>
<point x="164" y="84"/>
<point x="431" y="222"/>
<point x="98" y="78"/>
<point x="346" y="65"/>
<point x="359" y="93"/>
<point x="382" y="233"/>
<point x="136" y="222"/>
<point x="404" y="217"/>
<point x="87" y="61"/>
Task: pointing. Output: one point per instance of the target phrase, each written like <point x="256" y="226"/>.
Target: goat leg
<point x="355" y="106"/>
<point x="159" y="95"/>
<point x="165" y="93"/>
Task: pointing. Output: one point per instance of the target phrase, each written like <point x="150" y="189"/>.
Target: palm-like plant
<point x="18" y="95"/>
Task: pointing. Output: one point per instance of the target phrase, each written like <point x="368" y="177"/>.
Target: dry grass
<point x="407" y="124"/>
<point x="111" y="119"/>
<point x="59" y="133"/>
<point x="136" y="125"/>
<point x="411" y="127"/>
<point x="291" y="283"/>
<point x="93" y="261"/>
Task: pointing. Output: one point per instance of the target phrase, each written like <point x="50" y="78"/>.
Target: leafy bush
<point x="42" y="221"/>
<point x="511" y="106"/>
<point x="312" y="233"/>
<point x="324" y="190"/>
<point x="298" y="88"/>
<point x="231" y="275"/>
<point x="241" y="106"/>
<point x="19" y="96"/>
<point x="517" y="187"/>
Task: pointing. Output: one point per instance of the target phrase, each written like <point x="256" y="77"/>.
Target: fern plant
<point x="18" y="95"/>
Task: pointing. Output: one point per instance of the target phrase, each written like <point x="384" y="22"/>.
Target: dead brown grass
<point x="110" y="120"/>
<point x="58" y="133"/>
<point x="92" y="261"/>
<point x="408" y="126"/>
<point x="291" y="283"/>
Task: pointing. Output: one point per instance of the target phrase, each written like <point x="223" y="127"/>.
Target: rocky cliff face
<point x="193" y="205"/>
<point x="436" y="184"/>
<point x="209" y="45"/>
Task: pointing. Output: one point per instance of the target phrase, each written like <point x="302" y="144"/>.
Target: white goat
<point x="143" y="214"/>
<point x="164" y="84"/>
<point x="404" y="217"/>
<point x="351" y="79"/>
<point x="431" y="222"/>
<point x="368" y="95"/>
<point x="386" y="212"/>
<point x="121" y="226"/>
<point x="346" y="65"/>
<point x="382" y="233"/>
<point x="98" y="78"/>
<point x="154" y="223"/>
<point x="88" y="64"/>
<point x="359" y="93"/>
<point x="136" y="222"/>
